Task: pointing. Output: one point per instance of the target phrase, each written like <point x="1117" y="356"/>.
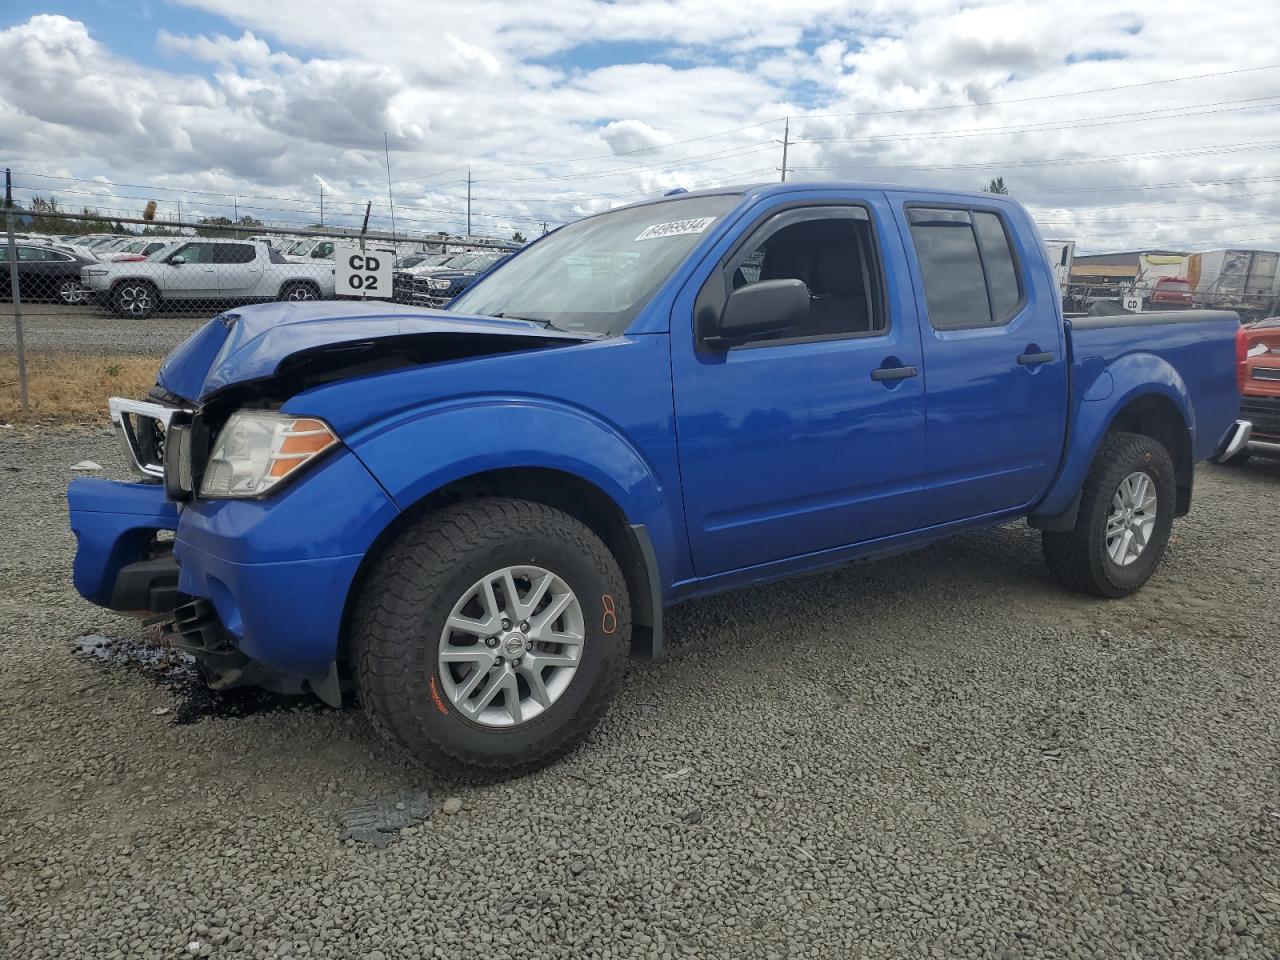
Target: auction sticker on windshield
<point x="675" y="228"/>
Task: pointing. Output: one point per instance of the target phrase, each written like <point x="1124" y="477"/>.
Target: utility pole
<point x="786" y="142"/>
<point x="322" y="204"/>
<point x="468" y="201"/>
<point x="387" y="150"/>
<point x="15" y="292"/>
<point x="544" y="228"/>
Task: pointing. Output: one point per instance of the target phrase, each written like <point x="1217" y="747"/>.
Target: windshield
<point x="300" y="248"/>
<point x="421" y="260"/>
<point x="597" y="274"/>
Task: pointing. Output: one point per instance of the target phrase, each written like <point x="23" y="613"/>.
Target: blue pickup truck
<point x="471" y="517"/>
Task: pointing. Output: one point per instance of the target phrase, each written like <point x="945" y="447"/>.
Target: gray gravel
<point x="91" y="330"/>
<point x="943" y="755"/>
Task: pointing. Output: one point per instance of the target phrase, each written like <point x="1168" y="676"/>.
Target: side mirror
<point x="761" y="309"/>
<point x="177" y="261"/>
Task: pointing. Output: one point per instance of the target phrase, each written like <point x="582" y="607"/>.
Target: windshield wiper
<point x="549" y="324"/>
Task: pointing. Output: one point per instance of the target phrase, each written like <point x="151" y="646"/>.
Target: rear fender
<point x="425" y="450"/>
<point x="1132" y="377"/>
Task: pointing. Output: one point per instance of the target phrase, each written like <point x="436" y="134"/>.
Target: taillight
<point x="1242" y="358"/>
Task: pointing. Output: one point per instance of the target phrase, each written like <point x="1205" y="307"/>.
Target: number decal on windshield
<point x="675" y="228"/>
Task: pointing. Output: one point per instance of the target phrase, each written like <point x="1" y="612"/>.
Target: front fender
<point x="1097" y="399"/>
<point x="424" y="450"/>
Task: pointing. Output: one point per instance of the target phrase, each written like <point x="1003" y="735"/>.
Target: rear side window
<point x="233" y="253"/>
<point x="971" y="277"/>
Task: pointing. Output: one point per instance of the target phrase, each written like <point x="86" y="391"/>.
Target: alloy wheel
<point x="511" y="645"/>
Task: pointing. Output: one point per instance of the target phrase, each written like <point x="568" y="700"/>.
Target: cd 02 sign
<point x="363" y="272"/>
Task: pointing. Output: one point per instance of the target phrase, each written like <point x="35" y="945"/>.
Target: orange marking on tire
<point x="435" y="697"/>
<point x="609" y="619"/>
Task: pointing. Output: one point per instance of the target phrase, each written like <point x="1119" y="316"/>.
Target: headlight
<point x="438" y="284"/>
<point x="257" y="449"/>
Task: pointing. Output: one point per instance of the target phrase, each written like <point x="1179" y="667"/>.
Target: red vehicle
<point x="1260" y="386"/>
<point x="1170" y="293"/>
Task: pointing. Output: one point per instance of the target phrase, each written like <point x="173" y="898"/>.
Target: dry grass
<point x="72" y="387"/>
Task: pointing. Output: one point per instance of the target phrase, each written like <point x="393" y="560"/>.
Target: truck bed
<point x="1190" y="353"/>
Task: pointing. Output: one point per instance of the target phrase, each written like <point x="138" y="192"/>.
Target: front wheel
<point x="491" y="636"/>
<point x="1126" y="515"/>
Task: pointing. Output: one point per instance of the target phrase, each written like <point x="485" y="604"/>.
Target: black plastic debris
<point x="378" y="822"/>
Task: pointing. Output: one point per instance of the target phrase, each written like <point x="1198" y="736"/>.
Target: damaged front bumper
<point x="258" y="588"/>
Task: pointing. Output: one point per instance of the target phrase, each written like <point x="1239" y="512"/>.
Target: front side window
<point x="597" y="274"/>
<point x="833" y="251"/>
<point x="194" y="253"/>
<point x="970" y="274"/>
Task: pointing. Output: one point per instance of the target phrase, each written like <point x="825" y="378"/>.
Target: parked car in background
<point x="309" y="248"/>
<point x="435" y="288"/>
<point x="46" y="273"/>
<point x="75" y="249"/>
<point x="206" y="269"/>
<point x="413" y="261"/>
<point x="1170" y="293"/>
<point x="1260" y="386"/>
<point x="435" y="285"/>
<point x="471" y="517"/>
<point x="140" y="249"/>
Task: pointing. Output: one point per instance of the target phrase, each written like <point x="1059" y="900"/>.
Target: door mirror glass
<point x="762" y="309"/>
<point x="178" y="260"/>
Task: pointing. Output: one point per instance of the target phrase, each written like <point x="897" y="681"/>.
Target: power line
<point x="1046" y="96"/>
<point x="1140" y="116"/>
<point x="870" y="113"/>
<point x="1204" y="151"/>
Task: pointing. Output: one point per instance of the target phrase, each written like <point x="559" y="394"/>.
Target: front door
<point x="811" y="439"/>
<point x="993" y="342"/>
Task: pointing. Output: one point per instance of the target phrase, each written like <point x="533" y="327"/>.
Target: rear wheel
<point x="300" y="290"/>
<point x="491" y="636"/>
<point x="1126" y="514"/>
<point x="70" y="291"/>
<point x="135" y="298"/>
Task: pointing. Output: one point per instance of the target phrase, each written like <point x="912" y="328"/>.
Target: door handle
<point x="1034" y="359"/>
<point x="893" y="373"/>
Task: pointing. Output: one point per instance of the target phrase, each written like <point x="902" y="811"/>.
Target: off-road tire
<point x="1078" y="558"/>
<point x="410" y="591"/>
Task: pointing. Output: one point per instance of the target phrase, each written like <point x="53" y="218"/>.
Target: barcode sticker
<point x="675" y="228"/>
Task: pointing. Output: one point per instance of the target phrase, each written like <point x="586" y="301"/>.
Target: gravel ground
<point x="93" y="331"/>
<point x="943" y="755"/>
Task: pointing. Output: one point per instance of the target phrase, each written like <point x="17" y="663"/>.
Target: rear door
<point x="994" y="354"/>
<point x="808" y="441"/>
<point x="238" y="270"/>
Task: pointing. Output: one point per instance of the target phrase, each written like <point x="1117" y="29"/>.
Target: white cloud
<point x="302" y="96"/>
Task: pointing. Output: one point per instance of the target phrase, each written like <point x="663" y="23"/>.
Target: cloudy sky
<point x="1121" y="124"/>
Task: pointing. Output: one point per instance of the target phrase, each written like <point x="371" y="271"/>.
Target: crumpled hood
<point x="251" y="342"/>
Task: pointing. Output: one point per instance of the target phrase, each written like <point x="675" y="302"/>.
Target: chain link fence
<point x="107" y="286"/>
<point x="1108" y="297"/>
